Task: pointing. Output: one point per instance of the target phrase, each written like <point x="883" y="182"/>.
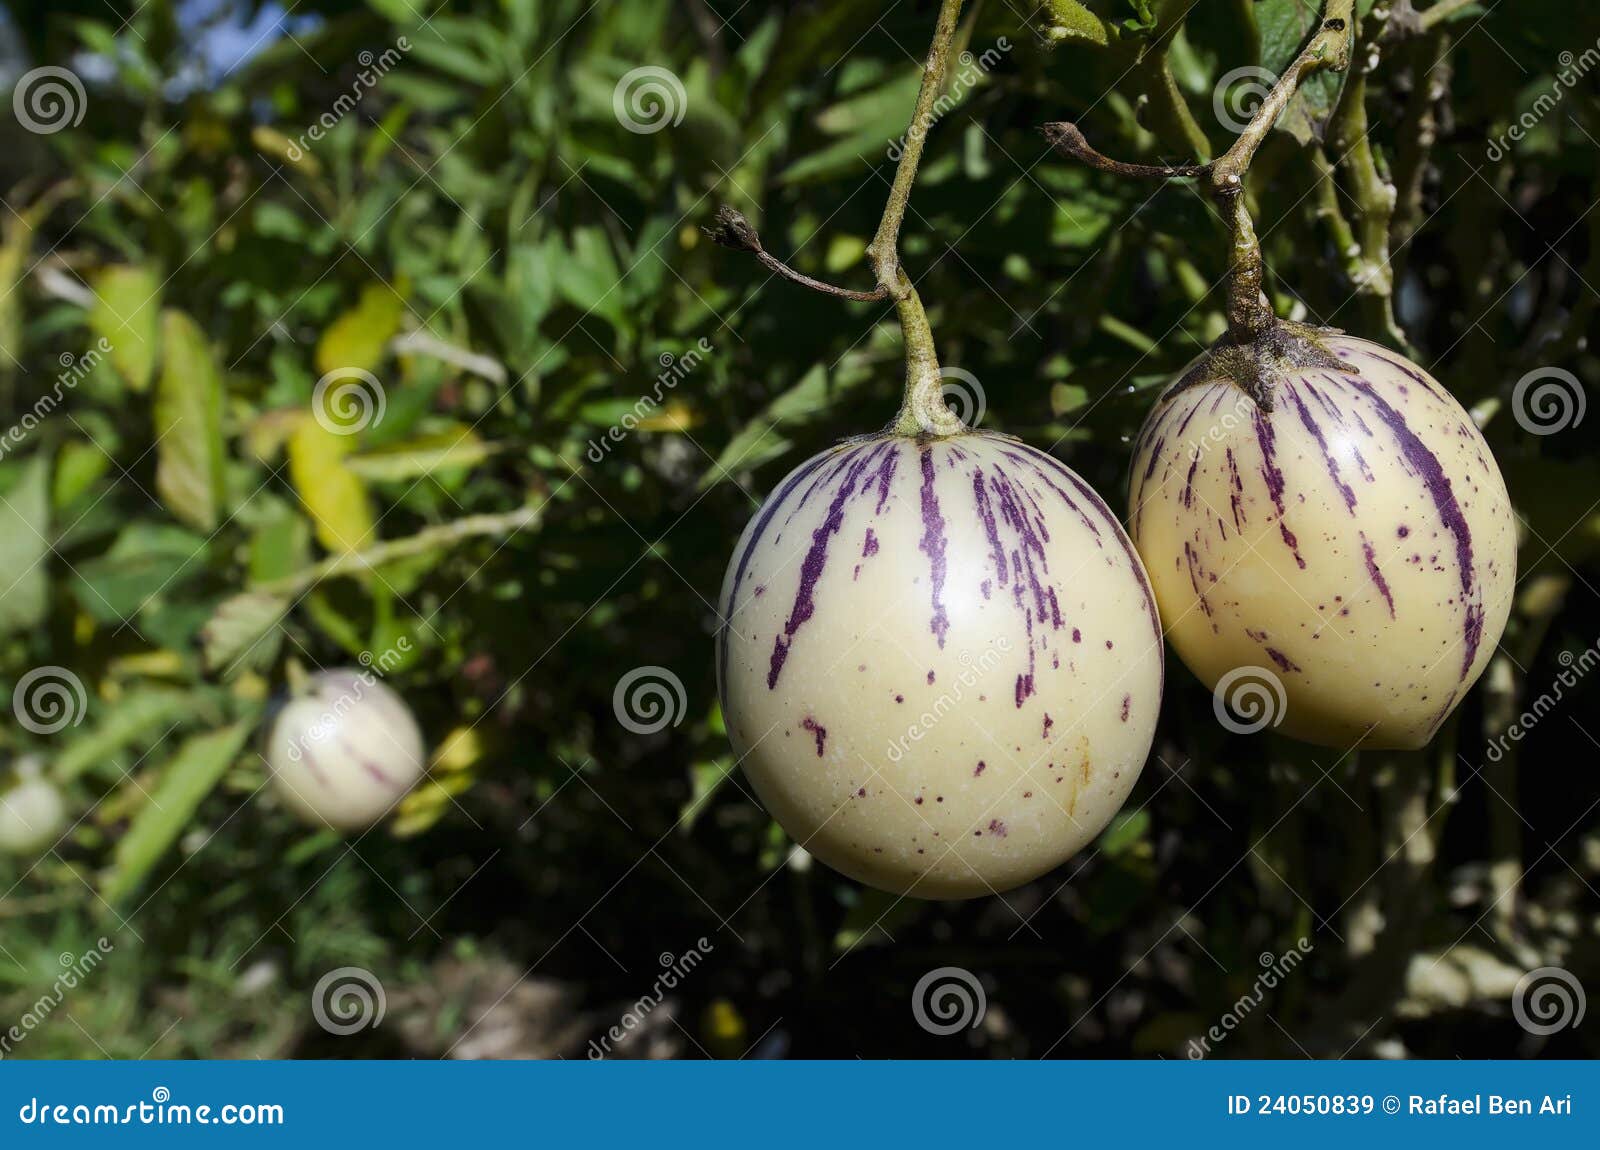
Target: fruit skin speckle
<point x="944" y="664"/>
<point x="1299" y="547"/>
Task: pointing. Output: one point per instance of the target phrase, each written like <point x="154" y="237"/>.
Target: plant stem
<point x="923" y="410"/>
<point x="355" y="562"/>
<point x="1443" y="10"/>
<point x="1249" y="313"/>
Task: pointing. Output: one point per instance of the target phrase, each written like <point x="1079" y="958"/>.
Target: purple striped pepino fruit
<point x="1325" y="510"/>
<point x="941" y="662"/>
<point x="345" y="750"/>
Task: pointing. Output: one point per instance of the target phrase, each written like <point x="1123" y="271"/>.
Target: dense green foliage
<point x="479" y="229"/>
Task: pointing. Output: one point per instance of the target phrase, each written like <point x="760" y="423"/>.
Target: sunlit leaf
<point x="188" y="424"/>
<point x="127" y="314"/>
<point x="185" y="782"/>
<point x="335" y="496"/>
<point x="24" y="546"/>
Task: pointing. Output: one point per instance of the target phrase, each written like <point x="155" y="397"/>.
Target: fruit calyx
<point x="1255" y="362"/>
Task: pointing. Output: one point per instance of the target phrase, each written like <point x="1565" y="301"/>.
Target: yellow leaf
<point x="280" y="147"/>
<point x="458" y="750"/>
<point x="335" y="496"/>
<point x="357" y="339"/>
<point x="14" y="254"/>
<point x="455" y="448"/>
<point x="676" y="415"/>
<point x="125" y="313"/>
<point x="188" y="424"/>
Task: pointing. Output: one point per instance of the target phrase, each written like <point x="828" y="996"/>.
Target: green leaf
<point x="456" y="449"/>
<point x="14" y="255"/>
<point x="1072" y="21"/>
<point x="24" y="543"/>
<point x="231" y="639"/>
<point x="132" y="717"/>
<point x="188" y="425"/>
<point x="185" y="782"/>
<point x="588" y="277"/>
<point x="335" y="496"/>
<point x="79" y="466"/>
<point x="1127" y="829"/>
<point x="357" y="339"/>
<point x="147" y="560"/>
<point x="126" y="313"/>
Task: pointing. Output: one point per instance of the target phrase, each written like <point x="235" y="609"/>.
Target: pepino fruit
<point x="345" y="750"/>
<point x="1340" y="523"/>
<point x="940" y="661"/>
<point x="32" y="813"/>
<point x="941" y="666"/>
<point x="1313" y="509"/>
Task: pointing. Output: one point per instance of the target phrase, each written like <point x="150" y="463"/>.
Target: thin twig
<point x="442" y="535"/>
<point x="1249" y="313"/>
<point x="731" y="230"/>
<point x="923" y="410"/>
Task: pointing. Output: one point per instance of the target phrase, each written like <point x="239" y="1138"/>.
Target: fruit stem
<point x="883" y="248"/>
<point x="923" y="410"/>
<point x="1249" y="312"/>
